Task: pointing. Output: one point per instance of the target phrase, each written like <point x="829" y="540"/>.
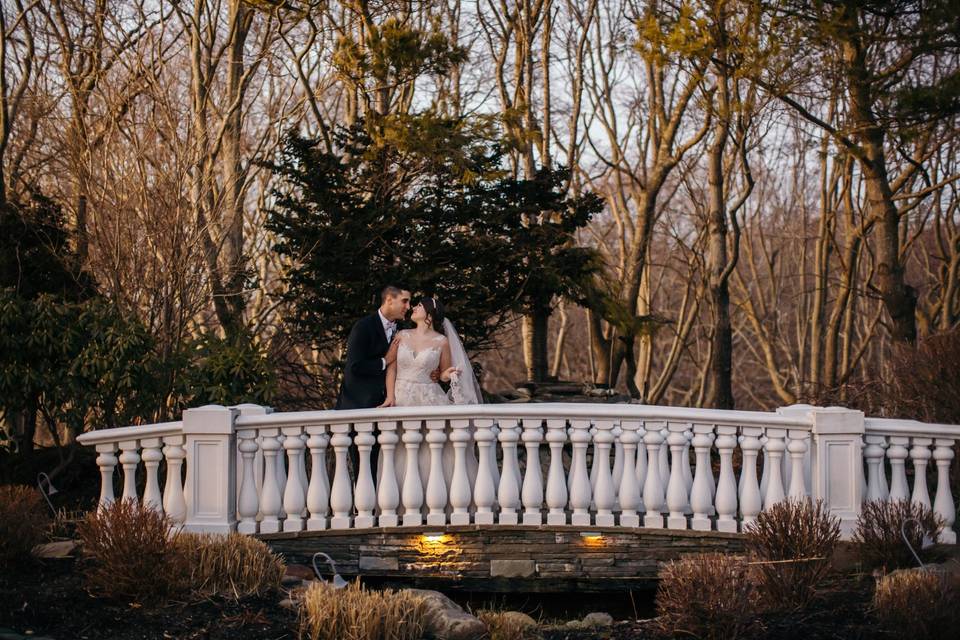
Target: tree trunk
<point x="534" y="330"/>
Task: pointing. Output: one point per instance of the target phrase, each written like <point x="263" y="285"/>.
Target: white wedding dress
<point x="413" y="386"/>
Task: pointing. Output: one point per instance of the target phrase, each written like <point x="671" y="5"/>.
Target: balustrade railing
<point x="249" y="469"/>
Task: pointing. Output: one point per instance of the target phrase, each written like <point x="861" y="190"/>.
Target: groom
<point x="364" y="377"/>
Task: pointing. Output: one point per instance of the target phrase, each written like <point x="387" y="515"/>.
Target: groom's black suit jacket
<point x="364" y="379"/>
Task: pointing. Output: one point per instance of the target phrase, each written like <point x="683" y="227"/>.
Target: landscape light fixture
<point x="338" y="582"/>
<point x="46" y="490"/>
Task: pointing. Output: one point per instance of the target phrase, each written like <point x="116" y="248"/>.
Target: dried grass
<point x="915" y="604"/>
<point x="507" y="625"/>
<point x="23" y="523"/>
<point x="130" y="555"/>
<point x="707" y="596"/>
<point x="354" y="613"/>
<point x="232" y="566"/>
<point x="792" y="543"/>
<point x="878" y="535"/>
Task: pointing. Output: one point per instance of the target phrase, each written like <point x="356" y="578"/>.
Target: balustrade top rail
<point x="157" y="430"/>
<point x="545" y="410"/>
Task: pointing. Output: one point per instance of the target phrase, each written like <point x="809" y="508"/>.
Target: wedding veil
<point x="464" y="388"/>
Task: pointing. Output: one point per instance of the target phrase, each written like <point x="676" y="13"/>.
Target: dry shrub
<point x="353" y="613"/>
<point x="23" y="523"/>
<point x="878" y="535"/>
<point x="507" y="625"/>
<point x="129" y="554"/>
<point x="233" y="565"/>
<point x="707" y="596"/>
<point x="792" y="543"/>
<point x="915" y="604"/>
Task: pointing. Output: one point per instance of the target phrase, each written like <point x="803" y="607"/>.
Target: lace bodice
<point x="416" y="366"/>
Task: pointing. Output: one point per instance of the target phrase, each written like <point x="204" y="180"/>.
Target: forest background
<point x="743" y="203"/>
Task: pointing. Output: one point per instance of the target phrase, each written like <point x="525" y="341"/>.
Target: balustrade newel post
<point x="838" y="462"/>
<point x="211" y="452"/>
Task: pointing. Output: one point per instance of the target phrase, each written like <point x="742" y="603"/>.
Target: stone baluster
<point x="556" y="481"/>
<point x="152" y="455"/>
<point x="701" y="498"/>
<point x="798" y="451"/>
<point x="281" y="471"/>
<point x="294" y="492"/>
<point x="509" y="493"/>
<point x="943" y="504"/>
<point x="629" y="494"/>
<point x="484" y="490"/>
<point x="492" y="461"/>
<point x="687" y="468"/>
<point x="873" y="455"/>
<point x="318" y="491"/>
<point x="594" y="468"/>
<point x="365" y="497"/>
<point x="460" y="494"/>
<point x="773" y="458"/>
<point x="653" y="487"/>
<point x="412" y="494"/>
<point x="436" y="483"/>
<point x="248" y="502"/>
<point x="341" y="492"/>
<point x="641" y="465"/>
<point x="711" y="478"/>
<point x="920" y="454"/>
<point x="726" y="500"/>
<point x="304" y="480"/>
<point x="174" y="502"/>
<point x="764" y="465"/>
<point x="532" y="492"/>
<point x="750" y="502"/>
<point x="107" y="461"/>
<point x="129" y="458"/>
<point x="884" y="487"/>
<point x="663" y="459"/>
<point x="617" y="459"/>
<point x="678" y="500"/>
<point x="580" y="494"/>
<point x="603" y="496"/>
<point x="898" y="471"/>
<point x="270" y="496"/>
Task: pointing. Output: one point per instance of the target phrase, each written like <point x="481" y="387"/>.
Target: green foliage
<point x="382" y="210"/>
<point x="228" y="371"/>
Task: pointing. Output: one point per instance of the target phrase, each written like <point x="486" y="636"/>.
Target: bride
<point x="420" y="352"/>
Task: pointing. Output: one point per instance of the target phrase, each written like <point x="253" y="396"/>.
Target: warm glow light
<point x="592" y="537"/>
<point x="434" y="537"/>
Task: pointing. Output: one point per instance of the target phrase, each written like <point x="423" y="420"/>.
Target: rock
<point x="512" y="568"/>
<point x="518" y="619"/>
<point x="597" y="619"/>
<point x="51" y="550"/>
<point x="575" y="624"/>
<point x="446" y="620"/>
<point x="289" y="603"/>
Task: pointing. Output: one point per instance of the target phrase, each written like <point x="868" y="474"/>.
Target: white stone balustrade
<point x="255" y="471"/>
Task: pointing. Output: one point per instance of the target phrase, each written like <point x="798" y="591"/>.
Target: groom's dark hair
<point x="390" y="290"/>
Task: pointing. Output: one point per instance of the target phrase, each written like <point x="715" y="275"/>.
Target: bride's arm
<point x="391" y="374"/>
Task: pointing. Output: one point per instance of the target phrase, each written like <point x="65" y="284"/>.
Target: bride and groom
<point x="387" y="366"/>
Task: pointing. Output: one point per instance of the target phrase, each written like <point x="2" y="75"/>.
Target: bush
<point x="878" y="535"/>
<point x="508" y="625"/>
<point x="353" y="613"/>
<point x="793" y="542"/>
<point x="233" y="566"/>
<point x="130" y="554"/>
<point x="915" y="604"/>
<point x="23" y="523"/>
<point x="706" y="596"/>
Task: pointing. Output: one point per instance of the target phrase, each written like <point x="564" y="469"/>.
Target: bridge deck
<point x="504" y="558"/>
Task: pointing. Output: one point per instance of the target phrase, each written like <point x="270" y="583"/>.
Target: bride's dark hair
<point x="434" y="311"/>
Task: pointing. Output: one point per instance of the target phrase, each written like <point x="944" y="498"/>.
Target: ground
<point x="48" y="599"/>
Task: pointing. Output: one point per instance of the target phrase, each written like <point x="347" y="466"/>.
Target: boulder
<point x="446" y="620"/>
<point x="518" y="619"/>
<point x="597" y="619"/>
<point x="51" y="550"/>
